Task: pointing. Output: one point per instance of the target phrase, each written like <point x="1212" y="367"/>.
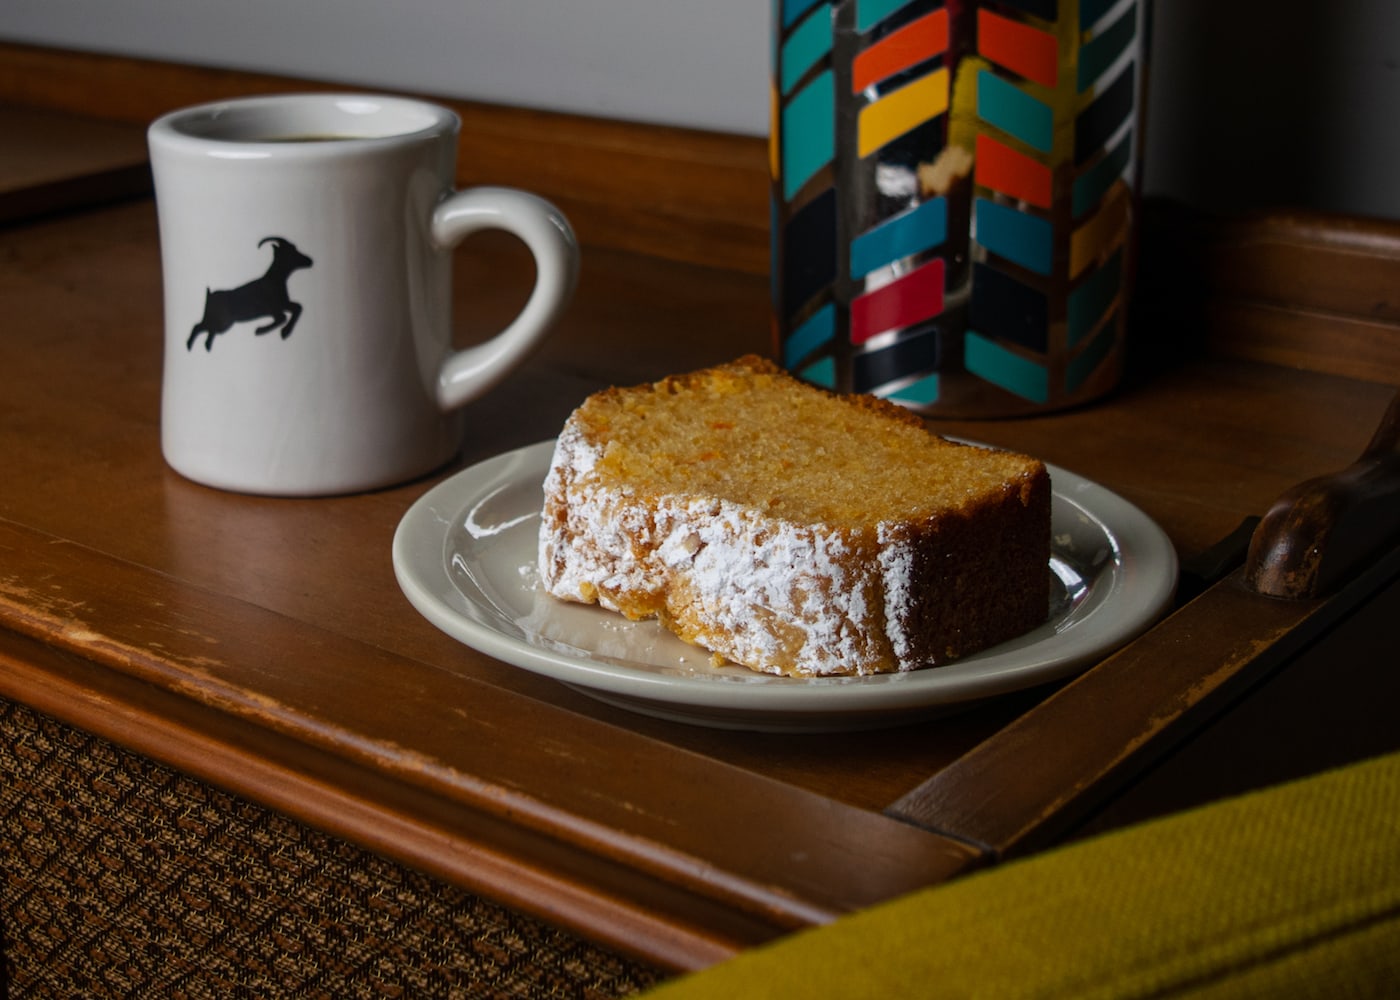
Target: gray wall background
<point x="1252" y="103"/>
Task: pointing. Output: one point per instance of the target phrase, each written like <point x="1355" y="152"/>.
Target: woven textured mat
<point x="124" y="878"/>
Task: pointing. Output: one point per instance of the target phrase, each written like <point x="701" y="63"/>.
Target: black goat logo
<point x="264" y="297"/>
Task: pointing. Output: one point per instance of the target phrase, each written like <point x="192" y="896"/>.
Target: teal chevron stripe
<point x="906" y="234"/>
<point x="794" y="9"/>
<point x="809" y="132"/>
<point x="817" y="330"/>
<point x="1088" y="303"/>
<point x="1105" y="48"/>
<point x="1091" y="11"/>
<point x="995" y="364"/>
<point x="922" y="392"/>
<point x="1089" y="359"/>
<point x="871" y="12"/>
<point x="1020" y="238"/>
<point x="809" y="42"/>
<point x="1007" y="107"/>
<point x="822" y="373"/>
<point x="1090" y="187"/>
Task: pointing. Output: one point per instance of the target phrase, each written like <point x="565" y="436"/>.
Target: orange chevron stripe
<point x="1019" y="47"/>
<point x="912" y="44"/>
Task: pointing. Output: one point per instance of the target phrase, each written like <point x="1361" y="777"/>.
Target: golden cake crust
<point x="790" y="529"/>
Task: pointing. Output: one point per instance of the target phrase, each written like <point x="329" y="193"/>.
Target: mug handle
<point x="468" y="373"/>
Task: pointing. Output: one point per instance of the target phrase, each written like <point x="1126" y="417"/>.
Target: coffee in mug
<point x="306" y="255"/>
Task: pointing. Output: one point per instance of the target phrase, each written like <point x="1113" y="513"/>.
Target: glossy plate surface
<point x="465" y="556"/>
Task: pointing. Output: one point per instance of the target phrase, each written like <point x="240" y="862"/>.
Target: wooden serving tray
<point x="264" y="646"/>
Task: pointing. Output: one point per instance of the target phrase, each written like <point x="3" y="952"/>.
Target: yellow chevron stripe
<point x="1104" y="230"/>
<point x="896" y="113"/>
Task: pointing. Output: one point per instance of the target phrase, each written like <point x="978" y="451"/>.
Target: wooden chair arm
<point x="1320" y="532"/>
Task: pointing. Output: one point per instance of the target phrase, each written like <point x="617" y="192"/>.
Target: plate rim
<point x="973" y="678"/>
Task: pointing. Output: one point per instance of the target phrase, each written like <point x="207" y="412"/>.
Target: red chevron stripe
<point x="907" y="300"/>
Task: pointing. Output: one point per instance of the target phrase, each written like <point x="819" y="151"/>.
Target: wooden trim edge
<point x="1209" y="665"/>
<point x="254" y="763"/>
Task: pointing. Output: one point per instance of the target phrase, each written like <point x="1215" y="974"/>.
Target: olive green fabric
<point x="1289" y="892"/>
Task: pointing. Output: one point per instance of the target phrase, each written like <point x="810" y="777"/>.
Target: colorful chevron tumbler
<point x="953" y="197"/>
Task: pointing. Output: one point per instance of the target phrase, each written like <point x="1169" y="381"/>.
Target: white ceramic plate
<point x="465" y="557"/>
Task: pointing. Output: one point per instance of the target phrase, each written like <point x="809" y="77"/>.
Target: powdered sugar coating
<point x="773" y="595"/>
<point x="896" y="573"/>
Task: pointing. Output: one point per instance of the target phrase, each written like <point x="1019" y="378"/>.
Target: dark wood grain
<point x="432" y="768"/>
<point x="1331" y="705"/>
<point x="1289" y="288"/>
<point x="1013" y="795"/>
<point x="264" y="646"/>
<point x="1321" y="532"/>
<point x="276" y="630"/>
<point x="173" y="609"/>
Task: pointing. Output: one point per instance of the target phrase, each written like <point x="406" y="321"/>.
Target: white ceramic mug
<point x="306" y="254"/>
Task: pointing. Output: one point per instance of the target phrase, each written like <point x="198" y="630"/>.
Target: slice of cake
<point x="793" y="530"/>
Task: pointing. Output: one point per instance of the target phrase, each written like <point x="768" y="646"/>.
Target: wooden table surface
<point x="264" y="644"/>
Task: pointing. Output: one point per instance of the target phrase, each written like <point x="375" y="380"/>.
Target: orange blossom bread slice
<point x="793" y="530"/>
